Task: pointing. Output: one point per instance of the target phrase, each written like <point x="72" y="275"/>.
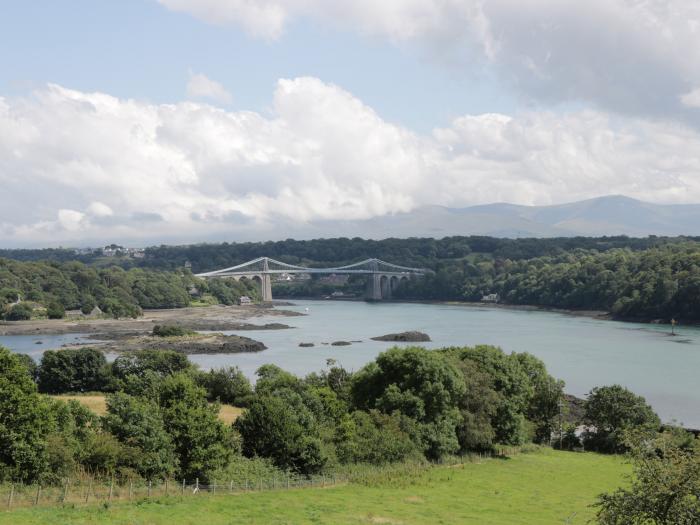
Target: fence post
<point x="166" y="486"/>
<point x="196" y="486"/>
<point x="183" y="487"/>
<point x="111" y="489"/>
<point x="287" y="480"/>
<point x="87" y="495"/>
<point x="65" y="492"/>
<point x="230" y="488"/>
<point x="12" y="494"/>
<point x="214" y="486"/>
<point x="149" y="488"/>
<point x="131" y="490"/>
<point x="246" y="483"/>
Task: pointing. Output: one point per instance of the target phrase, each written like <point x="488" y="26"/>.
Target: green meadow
<point x="545" y="487"/>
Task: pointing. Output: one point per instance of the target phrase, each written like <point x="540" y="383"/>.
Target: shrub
<point x="19" y="312"/>
<point x="170" y="331"/>
<point x="55" y="310"/>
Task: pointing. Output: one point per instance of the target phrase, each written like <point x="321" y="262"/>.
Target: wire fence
<point x="87" y="492"/>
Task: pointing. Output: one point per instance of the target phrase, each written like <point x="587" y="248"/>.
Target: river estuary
<point x="584" y="352"/>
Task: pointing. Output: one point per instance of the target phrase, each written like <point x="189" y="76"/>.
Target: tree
<point x="227" y="385"/>
<point x="422" y="385"/>
<point x="665" y="487"/>
<point x="510" y="380"/>
<point x="613" y="410"/>
<point x="282" y="428"/>
<point x="138" y="425"/>
<point x="19" y="312"/>
<point x="25" y="421"/>
<point x="202" y="443"/>
<point x="72" y="370"/>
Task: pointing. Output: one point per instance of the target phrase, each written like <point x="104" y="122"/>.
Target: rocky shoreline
<point x="189" y="344"/>
<point x="213" y="318"/>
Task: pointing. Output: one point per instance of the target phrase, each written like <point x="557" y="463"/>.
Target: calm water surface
<point x="583" y="352"/>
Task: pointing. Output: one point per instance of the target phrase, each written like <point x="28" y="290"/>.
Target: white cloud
<point x="628" y="56"/>
<point x="691" y="99"/>
<point x="200" y="86"/>
<point x="77" y="166"/>
<point x="100" y="209"/>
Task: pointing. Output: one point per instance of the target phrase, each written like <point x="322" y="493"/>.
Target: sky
<point x="145" y="121"/>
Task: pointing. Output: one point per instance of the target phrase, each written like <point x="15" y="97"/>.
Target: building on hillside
<point x="244" y="300"/>
<point x="490" y="298"/>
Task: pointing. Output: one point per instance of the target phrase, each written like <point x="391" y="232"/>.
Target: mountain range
<point x="610" y="215"/>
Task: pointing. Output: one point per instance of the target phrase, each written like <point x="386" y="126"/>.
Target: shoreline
<point x="212" y="318"/>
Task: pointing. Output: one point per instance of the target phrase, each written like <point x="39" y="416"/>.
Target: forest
<point x="29" y="289"/>
<point x="653" y="278"/>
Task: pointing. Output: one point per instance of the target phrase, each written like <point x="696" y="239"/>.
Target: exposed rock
<point x="341" y="343"/>
<point x="306" y="345"/>
<point x="404" y="337"/>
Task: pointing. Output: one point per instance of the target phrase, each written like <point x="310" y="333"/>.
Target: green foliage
<point x="170" y="331"/>
<point x="419" y="384"/>
<point x="375" y="438"/>
<point x="25" y="420"/>
<point x="138" y="425"/>
<point x="201" y="441"/>
<point x="73" y="370"/>
<point x="282" y="428"/>
<point x="19" y="312"/>
<point x="55" y="310"/>
<point x="227" y="385"/>
<point x="665" y="487"/>
<point x="72" y="285"/>
<point x="30" y="365"/>
<point x="612" y="411"/>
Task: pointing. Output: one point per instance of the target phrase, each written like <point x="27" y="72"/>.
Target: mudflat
<point x="213" y="318"/>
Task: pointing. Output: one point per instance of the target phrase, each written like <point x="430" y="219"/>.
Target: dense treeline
<point x="648" y="278"/>
<point x="427" y="252"/>
<point x="57" y="287"/>
<point x="413" y="251"/>
<point x="662" y="282"/>
<point x="408" y="404"/>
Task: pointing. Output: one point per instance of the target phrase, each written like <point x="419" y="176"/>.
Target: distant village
<point x="113" y="250"/>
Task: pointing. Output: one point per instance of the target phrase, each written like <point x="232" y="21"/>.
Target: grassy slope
<point x="543" y="488"/>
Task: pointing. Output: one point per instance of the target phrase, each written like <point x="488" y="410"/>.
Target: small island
<point x="412" y="336"/>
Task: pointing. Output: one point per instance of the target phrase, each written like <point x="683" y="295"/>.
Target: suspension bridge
<point x="383" y="278"/>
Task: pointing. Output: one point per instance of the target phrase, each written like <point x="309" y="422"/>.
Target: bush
<point x="55" y="310"/>
<point x="170" y="331"/>
<point x="19" y="312"/>
<point x="373" y="437"/>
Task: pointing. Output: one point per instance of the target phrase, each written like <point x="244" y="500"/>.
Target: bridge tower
<point x="266" y="282"/>
<point x="374" y="283"/>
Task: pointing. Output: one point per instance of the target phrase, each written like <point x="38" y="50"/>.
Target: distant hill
<point x="612" y="215"/>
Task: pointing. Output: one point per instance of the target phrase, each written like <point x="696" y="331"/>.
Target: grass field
<point x="548" y="487"/>
<point x="98" y="404"/>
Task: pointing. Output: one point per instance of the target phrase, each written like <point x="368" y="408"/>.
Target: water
<point x="583" y="352"/>
<point x="35" y="345"/>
